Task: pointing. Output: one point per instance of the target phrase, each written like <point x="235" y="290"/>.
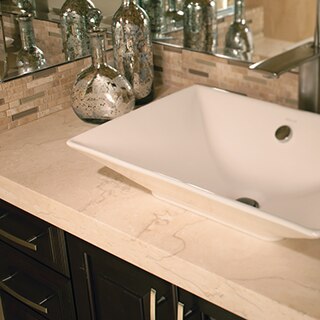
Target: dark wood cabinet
<point x="13" y="309"/>
<point x="108" y="288"/>
<point x="36" y="283"/>
<point x="191" y="307"/>
<point x="34" y="237"/>
<point x="34" y="273"/>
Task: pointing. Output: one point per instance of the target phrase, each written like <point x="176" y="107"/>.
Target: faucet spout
<point x="307" y="58"/>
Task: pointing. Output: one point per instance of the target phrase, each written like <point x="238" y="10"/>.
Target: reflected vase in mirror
<point x="100" y="92"/>
<point x="155" y="11"/>
<point x="200" y="25"/>
<point x="239" y="40"/>
<point x="74" y="28"/>
<point x="3" y="52"/>
<point x="132" y="47"/>
<point x="30" y="57"/>
<point x="173" y="17"/>
<point x="25" y="6"/>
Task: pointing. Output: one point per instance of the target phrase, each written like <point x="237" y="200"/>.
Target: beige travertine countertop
<point x="255" y="279"/>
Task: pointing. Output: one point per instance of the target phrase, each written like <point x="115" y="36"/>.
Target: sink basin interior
<point x="222" y="147"/>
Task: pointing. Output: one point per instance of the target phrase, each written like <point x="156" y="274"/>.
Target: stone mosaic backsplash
<point x="180" y="68"/>
<point x="34" y="96"/>
<point x="30" y="97"/>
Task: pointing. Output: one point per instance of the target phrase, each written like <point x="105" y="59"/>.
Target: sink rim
<point x="116" y="163"/>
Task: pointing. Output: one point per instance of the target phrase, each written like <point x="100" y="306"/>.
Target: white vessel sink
<point x="202" y="149"/>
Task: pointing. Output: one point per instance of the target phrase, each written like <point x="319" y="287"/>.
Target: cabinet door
<point x="191" y="307"/>
<point x="108" y="288"/>
<point x="41" y="290"/>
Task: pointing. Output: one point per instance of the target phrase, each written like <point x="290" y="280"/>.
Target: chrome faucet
<point x="307" y="58"/>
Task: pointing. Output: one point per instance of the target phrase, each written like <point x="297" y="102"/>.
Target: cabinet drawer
<point x="33" y="236"/>
<point x="41" y="290"/>
<point x="194" y="308"/>
<point x="15" y="310"/>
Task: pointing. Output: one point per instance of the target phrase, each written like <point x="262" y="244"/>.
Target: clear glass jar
<point x="132" y="47"/>
<point x="30" y="57"/>
<point x="74" y="28"/>
<point x="100" y="92"/>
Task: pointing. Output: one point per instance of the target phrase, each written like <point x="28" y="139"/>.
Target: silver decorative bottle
<point x="100" y="92"/>
<point x="30" y="57"/>
<point x="132" y="47"/>
<point x="74" y="28"/>
<point x="155" y="11"/>
<point x="173" y="17"/>
<point x="200" y="25"/>
<point x="239" y="42"/>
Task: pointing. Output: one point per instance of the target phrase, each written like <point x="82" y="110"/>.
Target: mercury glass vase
<point x="100" y="92"/>
<point x="25" y="6"/>
<point x="30" y="57"/>
<point x="3" y="52"/>
<point x="173" y="17"/>
<point x="74" y="28"/>
<point x="132" y="47"/>
<point x="155" y="11"/>
<point x="239" y="41"/>
<point x="200" y="25"/>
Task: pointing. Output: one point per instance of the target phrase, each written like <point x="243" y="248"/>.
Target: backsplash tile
<point x="30" y="97"/>
<point x="230" y="75"/>
<point x="25" y="113"/>
<point x="37" y="95"/>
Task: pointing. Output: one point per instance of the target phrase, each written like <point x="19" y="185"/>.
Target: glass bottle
<point x="74" y="28"/>
<point x="132" y="47"/>
<point x="26" y="6"/>
<point x="173" y="17"/>
<point x="239" y="42"/>
<point x="30" y="57"/>
<point x="155" y="11"/>
<point x="3" y="52"/>
<point x="212" y="26"/>
<point x="200" y="25"/>
<point x="100" y="92"/>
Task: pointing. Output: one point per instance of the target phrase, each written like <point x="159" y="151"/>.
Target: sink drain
<point x="283" y="133"/>
<point x="249" y="202"/>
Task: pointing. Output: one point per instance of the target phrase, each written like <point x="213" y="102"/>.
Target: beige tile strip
<point x="199" y="73"/>
<point x="31" y="98"/>
<point x="24" y="113"/>
<point x="44" y="73"/>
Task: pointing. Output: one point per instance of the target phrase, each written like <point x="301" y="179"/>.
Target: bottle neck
<point x="172" y="5"/>
<point x="97" y="42"/>
<point x="26" y="31"/>
<point x="239" y="10"/>
<point x="127" y="2"/>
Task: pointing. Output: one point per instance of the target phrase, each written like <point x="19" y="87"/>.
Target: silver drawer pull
<point x="31" y="304"/>
<point x="21" y="242"/>
<point x="180" y="311"/>
<point x="153" y="302"/>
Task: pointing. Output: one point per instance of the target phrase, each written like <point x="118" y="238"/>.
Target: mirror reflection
<point x="249" y="30"/>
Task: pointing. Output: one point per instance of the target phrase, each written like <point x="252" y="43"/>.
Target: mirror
<point x="276" y="26"/>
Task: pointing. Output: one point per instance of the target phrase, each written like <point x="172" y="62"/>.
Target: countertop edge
<point x="243" y="301"/>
